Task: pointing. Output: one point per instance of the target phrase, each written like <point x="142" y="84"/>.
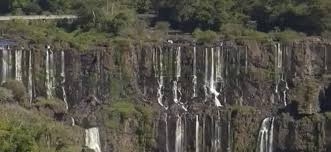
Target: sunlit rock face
<point x="210" y="98"/>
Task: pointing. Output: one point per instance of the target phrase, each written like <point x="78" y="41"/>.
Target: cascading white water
<point x="280" y="56"/>
<point x="92" y="139"/>
<point x="73" y="121"/>
<point x="30" y="78"/>
<point x="179" y="135"/>
<point x="197" y="133"/>
<point x="64" y="95"/>
<point x="166" y="130"/>
<point x="48" y="83"/>
<point x="217" y="135"/>
<point x="246" y="59"/>
<point x="219" y="66"/>
<point x="160" y="81"/>
<point x="212" y="87"/>
<point x="10" y="65"/>
<point x="194" y="71"/>
<point x="205" y="86"/>
<point x="265" y="139"/>
<point x="18" y="65"/>
<point x="178" y="73"/>
<point x="228" y="149"/>
<point x="52" y="71"/>
<point x="4" y="65"/>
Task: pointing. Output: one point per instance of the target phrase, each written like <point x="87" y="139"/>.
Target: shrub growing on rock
<point x="17" y="89"/>
<point x="6" y="95"/>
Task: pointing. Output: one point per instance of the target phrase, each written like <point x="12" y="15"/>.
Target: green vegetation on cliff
<point x="230" y="19"/>
<point x="27" y="130"/>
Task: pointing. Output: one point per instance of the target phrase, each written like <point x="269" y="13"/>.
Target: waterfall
<point x="280" y="55"/>
<point x="4" y="65"/>
<point x="325" y="59"/>
<point x="219" y="66"/>
<point x="160" y="82"/>
<point x="92" y="139"/>
<point x="179" y="135"/>
<point x="73" y="121"/>
<point x="18" y="65"/>
<point x="276" y="71"/>
<point x="197" y="133"/>
<point x="47" y="65"/>
<point x="194" y="72"/>
<point x="64" y="95"/>
<point x="265" y="139"/>
<point x="217" y="135"/>
<point x="228" y="149"/>
<point x="178" y="70"/>
<point x="212" y="83"/>
<point x="206" y="75"/>
<point x="166" y="130"/>
<point x="10" y="65"/>
<point x="178" y="63"/>
<point x="30" y="77"/>
<point x="246" y="59"/>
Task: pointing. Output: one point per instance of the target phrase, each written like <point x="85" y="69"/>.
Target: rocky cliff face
<point x="184" y="97"/>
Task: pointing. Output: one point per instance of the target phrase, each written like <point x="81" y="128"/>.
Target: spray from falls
<point x="179" y="135"/>
<point x="92" y="139"/>
<point x="18" y="65"/>
<point x="265" y="139"/>
<point x="64" y="95"/>
<point x="197" y="133"/>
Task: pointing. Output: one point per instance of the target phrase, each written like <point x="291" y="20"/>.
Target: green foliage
<point x="287" y="35"/>
<point x="17" y="89"/>
<point x="238" y="31"/>
<point x="22" y="130"/>
<point x="204" y="36"/>
<point x="55" y="104"/>
<point x="305" y="96"/>
<point x="6" y="95"/>
<point x="162" y="26"/>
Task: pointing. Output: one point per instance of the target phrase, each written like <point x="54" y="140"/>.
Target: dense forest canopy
<point x="232" y="17"/>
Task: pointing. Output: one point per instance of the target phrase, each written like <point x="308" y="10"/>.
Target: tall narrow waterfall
<point x="205" y="86"/>
<point x="18" y="65"/>
<point x="160" y="81"/>
<point x="64" y="95"/>
<point x="219" y="66"/>
<point x="265" y="139"/>
<point x="197" y="133"/>
<point x="166" y="131"/>
<point x="48" y="79"/>
<point x="10" y="65"/>
<point x="92" y="139"/>
<point x="212" y="83"/>
<point x="194" y="71"/>
<point x="179" y="135"/>
<point x="30" y="78"/>
<point x="178" y="70"/>
<point x="4" y="65"/>
<point x="229" y="133"/>
<point x="216" y="145"/>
